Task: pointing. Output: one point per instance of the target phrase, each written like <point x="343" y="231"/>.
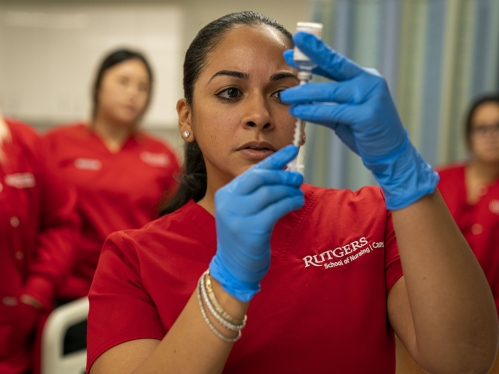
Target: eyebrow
<point x="230" y="73"/>
<point x="241" y="75"/>
<point x="283" y="75"/>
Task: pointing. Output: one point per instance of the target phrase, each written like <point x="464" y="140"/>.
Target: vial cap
<point x="311" y="27"/>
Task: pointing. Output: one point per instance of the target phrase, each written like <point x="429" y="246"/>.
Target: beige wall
<point x="200" y="12"/>
<point x="197" y="14"/>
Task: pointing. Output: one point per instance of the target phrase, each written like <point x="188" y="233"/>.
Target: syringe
<point x="306" y="66"/>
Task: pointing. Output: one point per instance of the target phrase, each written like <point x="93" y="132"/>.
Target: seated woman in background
<point x="471" y="189"/>
<point x="173" y="296"/>
<point x="38" y="225"/>
<point x="120" y="172"/>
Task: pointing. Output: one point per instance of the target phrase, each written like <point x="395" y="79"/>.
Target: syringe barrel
<point x="305" y="65"/>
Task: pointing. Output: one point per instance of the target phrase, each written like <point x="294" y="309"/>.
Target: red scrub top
<point x="322" y="305"/>
<point x="38" y="224"/>
<point x="116" y="191"/>
<point x="479" y="222"/>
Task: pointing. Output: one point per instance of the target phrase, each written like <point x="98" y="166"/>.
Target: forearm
<point x="452" y="308"/>
<point x="190" y="346"/>
<point x="442" y="307"/>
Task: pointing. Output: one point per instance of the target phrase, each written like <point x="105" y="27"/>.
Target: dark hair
<point x="109" y="61"/>
<point x="485" y="99"/>
<point x="193" y="181"/>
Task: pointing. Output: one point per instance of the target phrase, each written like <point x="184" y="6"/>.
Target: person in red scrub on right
<point x="471" y="189"/>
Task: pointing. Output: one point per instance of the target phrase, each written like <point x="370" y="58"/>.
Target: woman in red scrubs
<point x="471" y="189"/>
<point x="318" y="272"/>
<point x="38" y="224"/>
<point x="120" y="172"/>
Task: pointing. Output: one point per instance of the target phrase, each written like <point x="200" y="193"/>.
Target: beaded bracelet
<point x="216" y="305"/>
<point x="208" y="322"/>
<point x="218" y="317"/>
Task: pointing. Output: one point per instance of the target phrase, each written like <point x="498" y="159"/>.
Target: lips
<point x="258" y="146"/>
<point x="256" y="151"/>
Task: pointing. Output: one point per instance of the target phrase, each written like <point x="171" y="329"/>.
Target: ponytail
<point x="193" y="181"/>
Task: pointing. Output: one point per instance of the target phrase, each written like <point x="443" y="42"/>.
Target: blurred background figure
<point x="471" y="189"/>
<point x="37" y="227"/>
<point x="120" y="172"/>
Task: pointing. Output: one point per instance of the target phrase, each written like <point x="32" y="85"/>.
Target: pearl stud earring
<point x="186" y="134"/>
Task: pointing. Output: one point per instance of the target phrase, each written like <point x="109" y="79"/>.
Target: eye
<point x="277" y="95"/>
<point x="123" y="81"/>
<point x="483" y="130"/>
<point x="230" y="93"/>
<point x="479" y="129"/>
<point x="143" y="87"/>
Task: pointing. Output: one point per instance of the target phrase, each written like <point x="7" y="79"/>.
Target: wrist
<point x="229" y="303"/>
<point x="41" y="289"/>
<point x="225" y="324"/>
<point x="31" y="301"/>
<point x="403" y="176"/>
<point x="230" y="284"/>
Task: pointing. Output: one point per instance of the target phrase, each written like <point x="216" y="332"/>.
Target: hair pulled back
<point x="193" y="181"/>
<point x="485" y="99"/>
<point x="109" y="61"/>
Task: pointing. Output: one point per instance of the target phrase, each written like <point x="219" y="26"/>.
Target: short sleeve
<point x="120" y="309"/>
<point x="393" y="267"/>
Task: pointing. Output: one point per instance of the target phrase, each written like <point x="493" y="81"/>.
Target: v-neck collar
<point x="284" y="231"/>
<point x="132" y="138"/>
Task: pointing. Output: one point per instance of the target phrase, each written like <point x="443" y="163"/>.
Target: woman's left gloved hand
<point x="359" y="108"/>
<point x="246" y="210"/>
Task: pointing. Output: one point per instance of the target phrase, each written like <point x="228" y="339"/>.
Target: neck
<point x="4" y="136"/>
<point x="212" y="186"/>
<point x="4" y="131"/>
<point x="484" y="171"/>
<point x="208" y="201"/>
<point x="113" y="135"/>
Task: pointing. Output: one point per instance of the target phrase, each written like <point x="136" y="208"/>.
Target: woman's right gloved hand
<point x="246" y="211"/>
<point x="358" y="106"/>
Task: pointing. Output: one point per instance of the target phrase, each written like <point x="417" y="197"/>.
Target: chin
<point x="127" y="122"/>
<point x="240" y="170"/>
<point x="491" y="159"/>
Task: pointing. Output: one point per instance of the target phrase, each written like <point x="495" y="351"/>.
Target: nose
<point x="257" y="113"/>
<point x="132" y="90"/>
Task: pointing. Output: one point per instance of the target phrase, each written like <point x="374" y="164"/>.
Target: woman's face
<point x="124" y="93"/>
<point x="485" y="133"/>
<point x="237" y="117"/>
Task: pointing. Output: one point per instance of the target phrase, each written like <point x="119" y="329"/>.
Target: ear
<point x="185" y="120"/>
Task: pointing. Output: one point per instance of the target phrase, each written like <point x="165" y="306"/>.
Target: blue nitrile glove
<point x="359" y="108"/>
<point x="246" y="211"/>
